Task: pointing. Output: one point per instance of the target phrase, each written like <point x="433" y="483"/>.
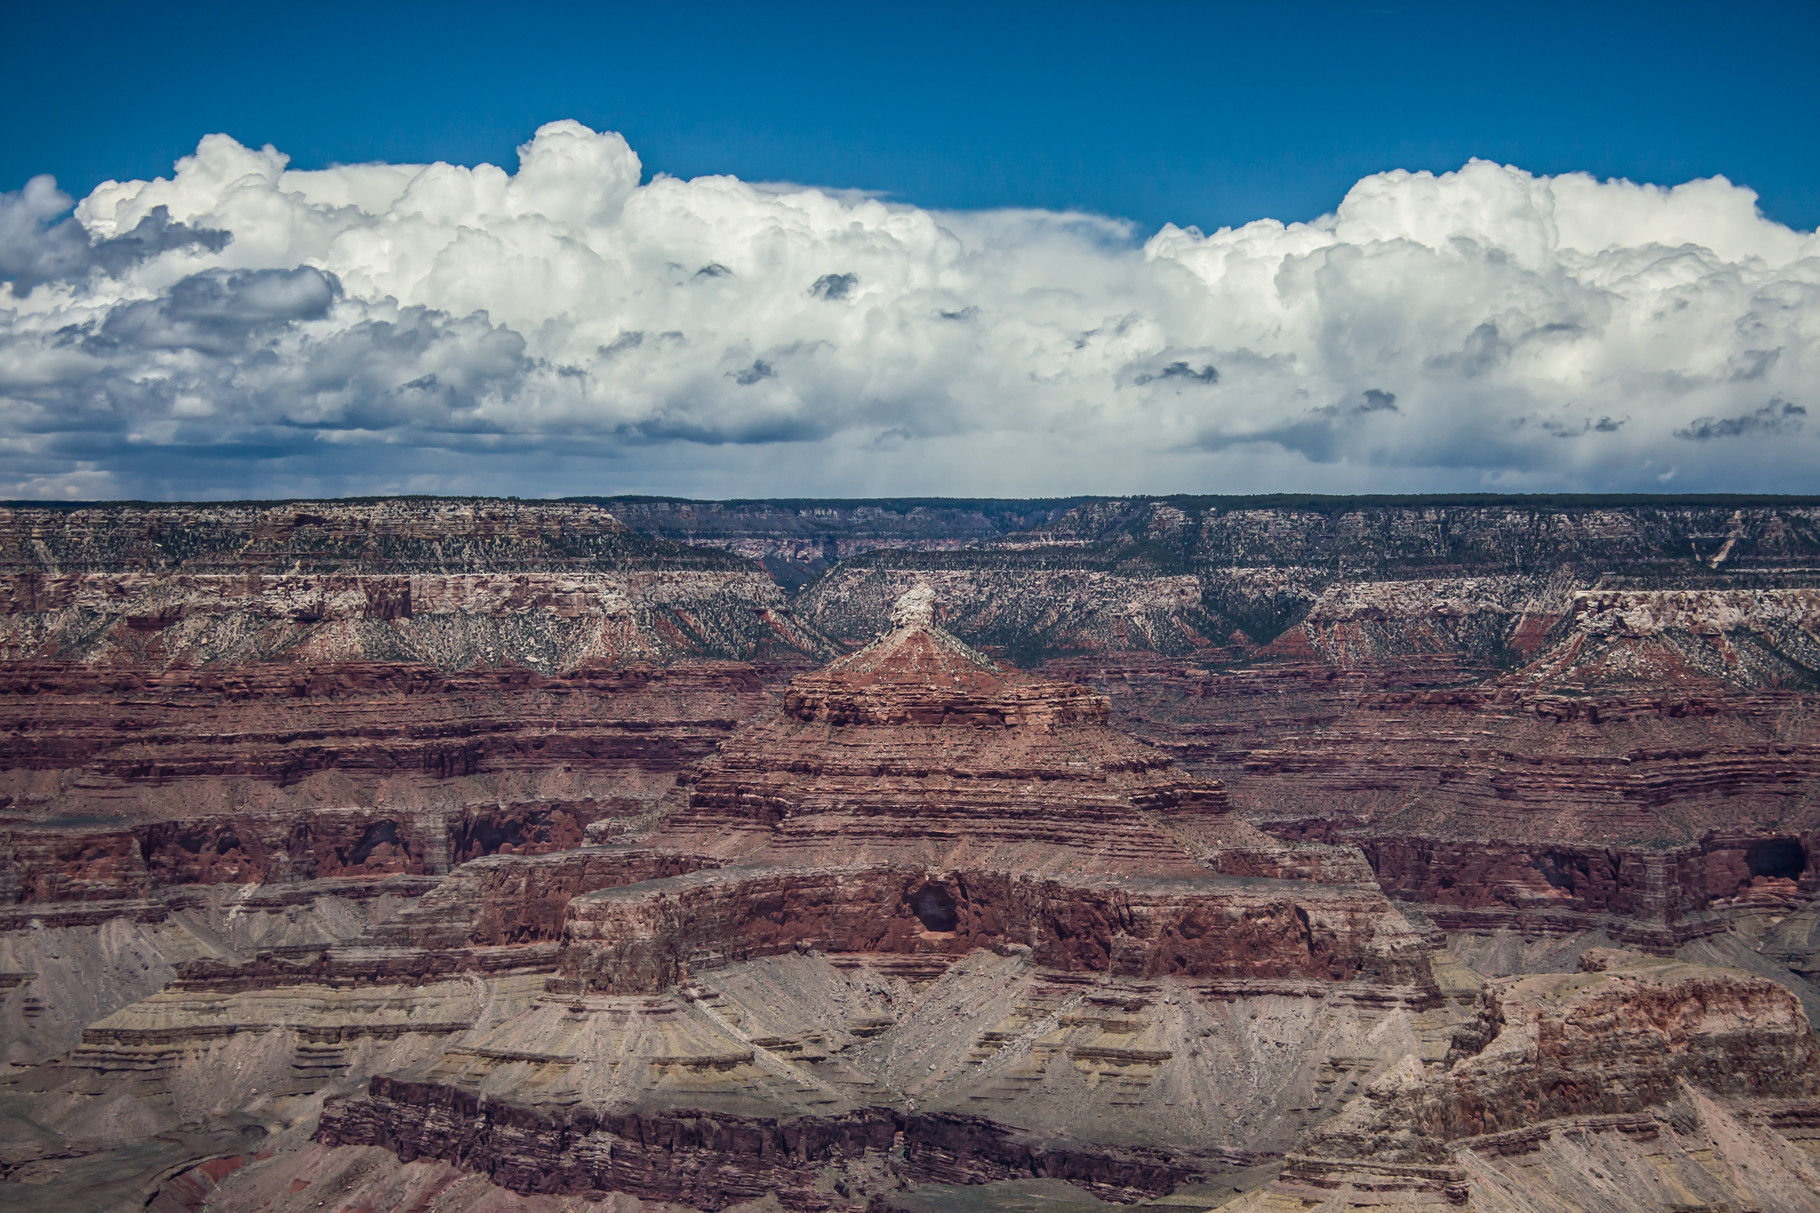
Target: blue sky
<point x="986" y="249"/>
<point x="1208" y="114"/>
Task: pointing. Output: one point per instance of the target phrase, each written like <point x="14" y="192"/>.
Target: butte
<point x="935" y="921"/>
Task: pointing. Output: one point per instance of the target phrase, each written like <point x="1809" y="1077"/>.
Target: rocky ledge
<point x="1678" y="1066"/>
<point x="518" y="844"/>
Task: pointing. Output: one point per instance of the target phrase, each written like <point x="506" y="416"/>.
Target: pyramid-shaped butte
<point x="934" y="920"/>
<point x="916" y="799"/>
<point x="918" y="749"/>
<point x="918" y="674"/>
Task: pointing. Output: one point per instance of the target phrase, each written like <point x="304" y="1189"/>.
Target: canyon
<point x="1252" y="853"/>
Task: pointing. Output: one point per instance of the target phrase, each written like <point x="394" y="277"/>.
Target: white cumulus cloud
<point x="242" y="328"/>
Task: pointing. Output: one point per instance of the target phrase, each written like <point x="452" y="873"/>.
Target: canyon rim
<point x="803" y="608"/>
<point x="1259" y="854"/>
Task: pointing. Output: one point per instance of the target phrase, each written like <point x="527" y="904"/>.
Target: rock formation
<point x="457" y="852"/>
<point x="1568" y="717"/>
<point x="1694" y="1087"/>
<point x="917" y="834"/>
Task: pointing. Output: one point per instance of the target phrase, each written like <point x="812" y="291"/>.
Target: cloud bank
<point x="243" y="329"/>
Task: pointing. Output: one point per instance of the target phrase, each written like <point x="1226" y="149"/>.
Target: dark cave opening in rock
<point x="380" y="833"/>
<point x="934" y="908"/>
<point x="1562" y="870"/>
<point x="488" y="835"/>
<point x="1777" y="857"/>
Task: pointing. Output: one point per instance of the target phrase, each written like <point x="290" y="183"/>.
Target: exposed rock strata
<point x="646" y="938"/>
<point x="795" y="540"/>
<point x="1486" y="581"/>
<point x="122" y="783"/>
<point x="1001" y="810"/>
<point x="1552" y="717"/>
<point x="451" y="583"/>
<point x="467" y="796"/>
<point x="1622" y="1035"/>
<point x="980" y="812"/>
<point x="711" y="1160"/>
<point x="1630" y="1047"/>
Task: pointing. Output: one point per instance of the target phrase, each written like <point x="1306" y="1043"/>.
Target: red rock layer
<point x="709" y="1160"/>
<point x="1619" y="1038"/>
<point x="281" y="723"/>
<point x="919" y="749"/>
<point x="645" y="938"/>
<point x="1575" y="884"/>
<point x="515" y="899"/>
<point x="916" y="797"/>
<point x="120" y="782"/>
<point x="1648" y="766"/>
<point x="1645" y="771"/>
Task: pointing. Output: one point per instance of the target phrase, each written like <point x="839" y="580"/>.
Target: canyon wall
<point x="1158" y="841"/>
<point x="254" y="693"/>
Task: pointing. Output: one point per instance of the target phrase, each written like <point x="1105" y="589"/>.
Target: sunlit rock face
<point x="198" y="696"/>
<point x="1133" y="854"/>
<point x="944" y="977"/>
<point x="939" y="899"/>
<point x="1635" y="1083"/>
<point x="915" y="797"/>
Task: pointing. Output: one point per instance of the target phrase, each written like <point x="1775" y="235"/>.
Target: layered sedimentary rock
<point x="1475" y="581"/>
<point x="917" y="835"/>
<point x="480" y="852"/>
<point x="1650" y="774"/>
<point x="1450" y="681"/>
<point x="1572" y="679"/>
<point x="1564" y="717"/>
<point x="247" y="694"/>
<point x="795" y="540"/>
<point x="1674" y="1061"/>
<point x="233" y="728"/>
<point x="118" y="783"/>
<point x="1621" y="1035"/>
<point x="452" y="583"/>
<point x="916" y="797"/>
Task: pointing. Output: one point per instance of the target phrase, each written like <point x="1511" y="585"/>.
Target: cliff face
<point x="387" y="535"/>
<point x="1482" y="582"/>
<point x="1622" y="1035"/>
<point x="454" y="584"/>
<point x="232" y="694"/>
<point x="796" y="540"/>
<point x="119" y="783"/>
<point x="536" y="842"/>
<point x="1561" y="716"/>
<point x="916" y="798"/>
<point x="923" y="922"/>
<point x="1638" y="1051"/>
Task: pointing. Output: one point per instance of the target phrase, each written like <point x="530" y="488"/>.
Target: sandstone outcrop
<point x="1560" y="716"/>
<point x="915" y="797"/>
<point x="209" y="695"/>
<point x="467" y="851"/>
<point x="1619" y="1036"/>
<point x="795" y="540"/>
<point x="1481" y="580"/>
<point x="916" y="828"/>
<point x="118" y="784"/>
<point x="1648" y="1052"/>
<point x="452" y="583"/>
